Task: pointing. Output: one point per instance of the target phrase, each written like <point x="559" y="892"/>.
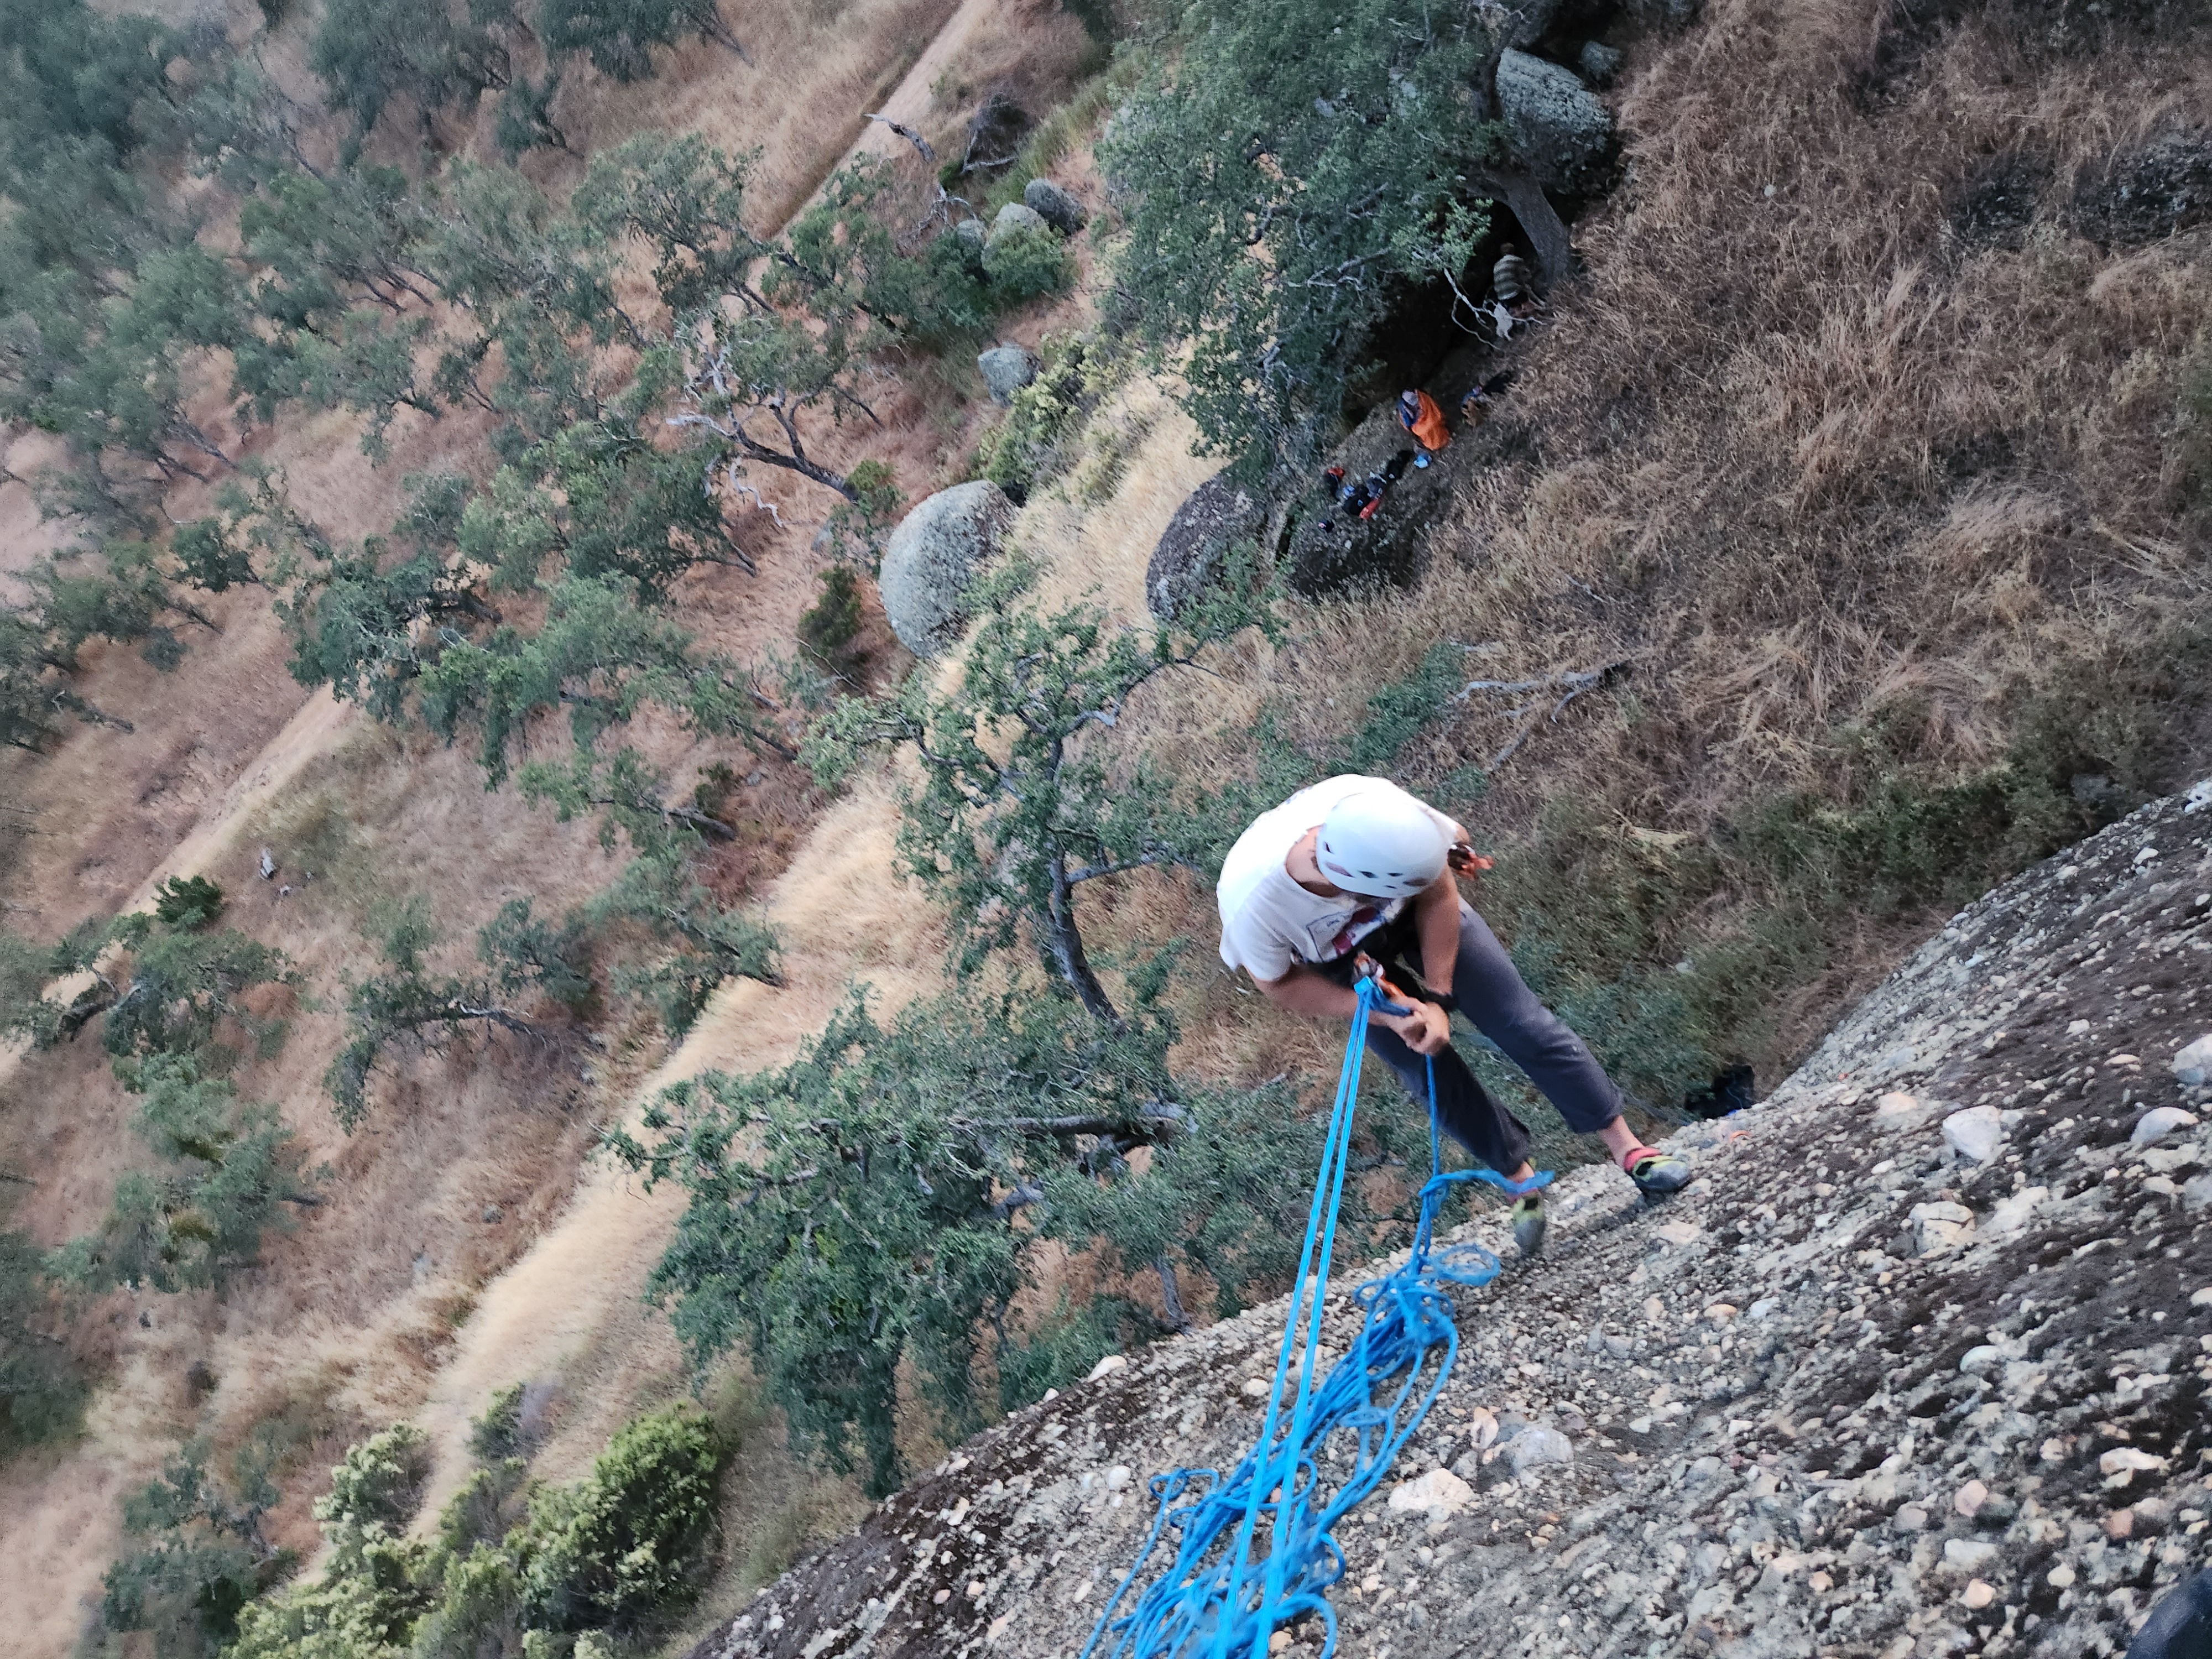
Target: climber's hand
<point x="1426" y="1030"/>
<point x="1467" y="861"/>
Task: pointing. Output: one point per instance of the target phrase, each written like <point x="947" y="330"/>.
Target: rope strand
<point x="1215" y="1599"/>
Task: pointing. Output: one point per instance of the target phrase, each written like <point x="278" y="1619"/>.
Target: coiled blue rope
<point x="1220" y="1597"/>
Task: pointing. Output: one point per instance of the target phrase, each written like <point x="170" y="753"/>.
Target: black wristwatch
<point x="1445" y="1000"/>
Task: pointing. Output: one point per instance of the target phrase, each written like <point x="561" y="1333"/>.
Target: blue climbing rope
<point x="1222" y="1596"/>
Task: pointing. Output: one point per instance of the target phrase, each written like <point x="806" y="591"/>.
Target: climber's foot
<point x="1529" y="1223"/>
<point x="1655" y="1173"/>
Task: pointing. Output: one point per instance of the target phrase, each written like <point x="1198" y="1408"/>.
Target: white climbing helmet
<point x="1380" y="844"/>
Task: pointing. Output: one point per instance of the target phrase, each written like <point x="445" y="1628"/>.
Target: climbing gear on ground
<point x="1529" y="1224"/>
<point x="1380" y="844"/>
<point x="1655" y="1173"/>
<point x="1231" y="1585"/>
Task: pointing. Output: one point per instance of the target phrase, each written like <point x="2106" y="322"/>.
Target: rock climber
<point x="1512" y="281"/>
<point x="1418" y="414"/>
<point x="1482" y="397"/>
<point x="1354" y="866"/>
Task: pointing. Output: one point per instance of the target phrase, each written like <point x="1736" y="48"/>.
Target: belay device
<point x="1256" y="1551"/>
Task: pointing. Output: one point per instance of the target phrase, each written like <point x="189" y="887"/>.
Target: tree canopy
<point x="1293" y="164"/>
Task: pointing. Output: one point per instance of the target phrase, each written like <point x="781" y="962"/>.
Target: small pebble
<point x="1978" y="1593"/>
<point x="1970" y="1498"/>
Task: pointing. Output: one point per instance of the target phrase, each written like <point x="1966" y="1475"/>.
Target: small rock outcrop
<point x="1053" y="205"/>
<point x="934" y="556"/>
<point x="2147" y="193"/>
<point x="1005" y="370"/>
<point x="1213" y="519"/>
<point x="1599" y="63"/>
<point x="1015" y="216"/>
<point x="1847" y="1394"/>
<point x="1562" y="134"/>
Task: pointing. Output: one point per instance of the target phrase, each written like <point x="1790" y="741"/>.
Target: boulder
<point x="1005" y="370"/>
<point x="1216" y="516"/>
<point x="1561" y="133"/>
<point x="2192" y="1064"/>
<point x="1014" y="217"/>
<point x="1053" y="205"/>
<point x="1599" y="63"/>
<point x="934" y="556"/>
<point x="1975" y="1135"/>
<point x="2147" y="192"/>
<point x="972" y="232"/>
<point x="2158" y="1122"/>
<point x="1523" y="23"/>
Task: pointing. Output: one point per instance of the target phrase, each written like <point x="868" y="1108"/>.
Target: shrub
<point x="829" y="626"/>
<point x="624" y="1544"/>
<point x="187" y="902"/>
<point x="1025" y="263"/>
<point x="1022" y="452"/>
<point x="380" y="1482"/>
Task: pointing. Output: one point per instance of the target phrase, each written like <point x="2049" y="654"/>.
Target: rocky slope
<point x="1917" y="1366"/>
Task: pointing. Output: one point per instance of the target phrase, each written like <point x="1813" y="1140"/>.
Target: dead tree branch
<point x="1570" y="682"/>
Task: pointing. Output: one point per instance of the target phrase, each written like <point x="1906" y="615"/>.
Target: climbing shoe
<point x="1655" y="1173"/>
<point x="1528" y="1223"/>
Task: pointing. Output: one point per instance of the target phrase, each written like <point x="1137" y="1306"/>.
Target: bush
<point x="829" y="626"/>
<point x="1023" y="451"/>
<point x="1026" y="263"/>
<point x="187" y="902"/>
<point x="624" y="1544"/>
<point x="380" y="1480"/>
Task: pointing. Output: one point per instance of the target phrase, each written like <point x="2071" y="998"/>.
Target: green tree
<point x="408" y="1001"/>
<point x="601" y="658"/>
<point x="1017" y="807"/>
<point x="856" y="1211"/>
<point x="1291" y="163"/>
<point x="625" y="1543"/>
<point x="187" y="903"/>
<point x="203" y="1554"/>
<point x="772" y="331"/>
<point x="69" y="74"/>
<point x="368" y="53"/>
<point x="226" y="1168"/>
<point x="524" y="118"/>
<point x="42" y="1386"/>
<point x="619" y="35"/>
<point x="659" y="889"/>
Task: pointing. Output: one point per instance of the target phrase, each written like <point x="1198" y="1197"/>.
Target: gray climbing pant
<point x="1490" y="992"/>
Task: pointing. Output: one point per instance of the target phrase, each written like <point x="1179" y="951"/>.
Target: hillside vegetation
<point x="450" y="453"/>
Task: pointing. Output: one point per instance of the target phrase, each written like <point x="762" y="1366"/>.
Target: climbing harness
<point x="1222" y="1598"/>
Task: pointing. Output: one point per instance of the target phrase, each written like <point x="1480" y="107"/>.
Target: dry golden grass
<point x="380" y="1291"/>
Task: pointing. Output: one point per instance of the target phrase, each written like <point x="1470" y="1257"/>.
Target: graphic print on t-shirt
<point x="1358" y="927"/>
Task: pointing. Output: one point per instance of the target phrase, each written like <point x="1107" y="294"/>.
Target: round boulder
<point x="972" y="232"/>
<point x="1015" y="216"/>
<point x="1599" y="63"/>
<point x="933" y="558"/>
<point x="1053" y="205"/>
<point x="1005" y="370"/>
<point x="1561" y="133"/>
<point x="1215" y="517"/>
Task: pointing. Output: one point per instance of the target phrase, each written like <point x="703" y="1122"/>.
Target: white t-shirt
<point x="1268" y="922"/>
